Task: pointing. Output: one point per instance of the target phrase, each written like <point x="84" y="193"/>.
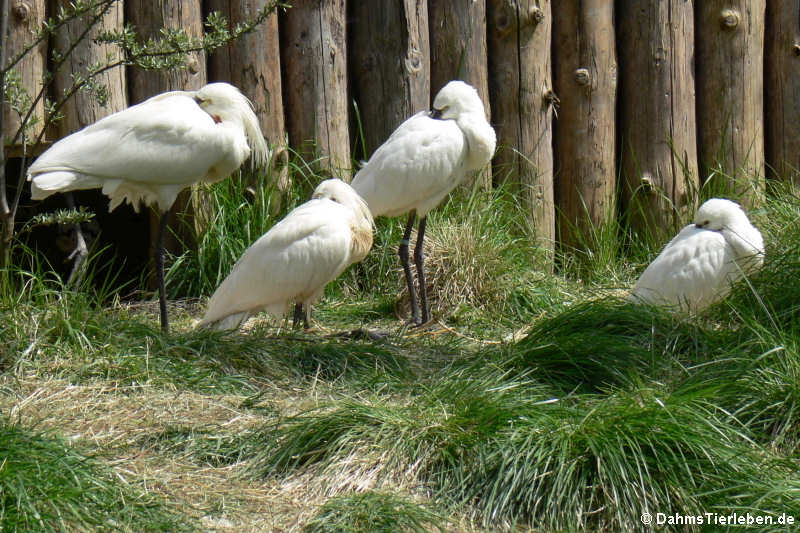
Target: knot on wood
<point x="414" y="61"/>
<point x="22" y="11"/>
<point x="729" y="18"/>
<point x="796" y="49"/>
<point x="551" y="98"/>
<point x="647" y="182"/>
<point x="502" y="22"/>
<point x="535" y="15"/>
<point x="582" y="76"/>
<point x="193" y="65"/>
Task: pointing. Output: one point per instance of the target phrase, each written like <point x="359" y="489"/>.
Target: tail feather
<point x="43" y="185"/>
<point x="233" y="321"/>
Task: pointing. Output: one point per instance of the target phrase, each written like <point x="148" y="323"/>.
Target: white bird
<point x="295" y="259"/>
<point x="425" y="158"/>
<point x="151" y="151"/>
<point x="699" y="265"/>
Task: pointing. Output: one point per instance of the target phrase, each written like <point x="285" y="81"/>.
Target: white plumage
<point x="425" y="158"/>
<point x="296" y="258"/>
<point x="701" y="262"/>
<point x="151" y="151"/>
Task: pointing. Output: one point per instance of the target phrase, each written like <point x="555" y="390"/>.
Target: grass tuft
<point x="45" y="485"/>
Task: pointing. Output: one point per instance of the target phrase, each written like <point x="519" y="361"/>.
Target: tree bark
<point x="390" y="61"/>
<point x="730" y="96"/>
<point x="657" y="114"/>
<point x="149" y="16"/>
<point x="459" y="52"/>
<point x="252" y="63"/>
<point x="26" y="16"/>
<point x="782" y="90"/>
<point x="83" y="108"/>
<point x="585" y="75"/>
<point x="314" y="55"/>
<point x="520" y="34"/>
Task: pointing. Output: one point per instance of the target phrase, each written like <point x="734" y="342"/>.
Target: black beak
<point x="198" y="100"/>
<point x="436" y="113"/>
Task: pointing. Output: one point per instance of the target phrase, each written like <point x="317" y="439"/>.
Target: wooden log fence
<point x="656" y="96"/>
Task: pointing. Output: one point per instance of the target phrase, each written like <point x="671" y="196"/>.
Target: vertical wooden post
<point x="459" y="51"/>
<point x="252" y="64"/>
<point x="782" y="89"/>
<point x="83" y="109"/>
<point x="314" y="55"/>
<point x="25" y="19"/>
<point x="730" y="95"/>
<point x="390" y="64"/>
<point x="657" y="113"/>
<point x="585" y="75"/>
<point x="149" y="16"/>
<point x="520" y="34"/>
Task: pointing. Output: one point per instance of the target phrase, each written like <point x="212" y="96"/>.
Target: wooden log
<point x="390" y="65"/>
<point x="729" y="59"/>
<point x="782" y="90"/>
<point x="459" y="52"/>
<point x="520" y="34"/>
<point x="149" y="16"/>
<point x="24" y="21"/>
<point x="657" y="114"/>
<point x="585" y="79"/>
<point x="252" y="63"/>
<point x="314" y="55"/>
<point x="83" y="108"/>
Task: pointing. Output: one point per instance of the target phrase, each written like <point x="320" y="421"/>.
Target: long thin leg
<point x="419" y="261"/>
<point x="403" y="253"/>
<point x="298" y="314"/>
<point x="81" y="251"/>
<point x="159" y="260"/>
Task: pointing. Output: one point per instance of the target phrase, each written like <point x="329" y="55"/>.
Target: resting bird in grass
<point x="295" y="259"/>
<point x="151" y="151"/>
<point x="425" y="158"/>
<point x="699" y="264"/>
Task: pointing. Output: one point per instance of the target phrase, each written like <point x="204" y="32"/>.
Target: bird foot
<point x="421" y="325"/>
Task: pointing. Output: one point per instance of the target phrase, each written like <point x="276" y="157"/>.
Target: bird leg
<point x="299" y="315"/>
<point x="159" y="263"/>
<point x="403" y="253"/>
<point x="419" y="261"/>
<point x="80" y="253"/>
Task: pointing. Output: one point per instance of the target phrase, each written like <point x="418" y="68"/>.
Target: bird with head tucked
<point x="699" y="265"/>
<point x="151" y="151"/>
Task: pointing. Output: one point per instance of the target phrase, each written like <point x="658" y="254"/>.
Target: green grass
<point x="538" y="399"/>
<point x="372" y="512"/>
<point x="46" y="485"/>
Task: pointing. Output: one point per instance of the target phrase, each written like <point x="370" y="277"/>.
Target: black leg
<point x="403" y="253"/>
<point x="298" y="314"/>
<point x="159" y="261"/>
<point x="419" y="261"/>
<point x="80" y="253"/>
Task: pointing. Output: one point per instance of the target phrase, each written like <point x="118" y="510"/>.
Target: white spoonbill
<point x="151" y="151"/>
<point x="295" y="259"/>
<point x="701" y="262"/>
<point x="425" y="158"/>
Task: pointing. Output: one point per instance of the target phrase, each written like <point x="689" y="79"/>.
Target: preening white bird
<point x="424" y="159"/>
<point x="151" y="151"/>
<point x="295" y="259"/>
<point x="699" y="265"/>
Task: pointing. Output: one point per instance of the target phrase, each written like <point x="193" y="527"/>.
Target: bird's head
<point x="226" y="104"/>
<point x="719" y="213"/>
<point x="455" y="99"/>
<point x="340" y="192"/>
